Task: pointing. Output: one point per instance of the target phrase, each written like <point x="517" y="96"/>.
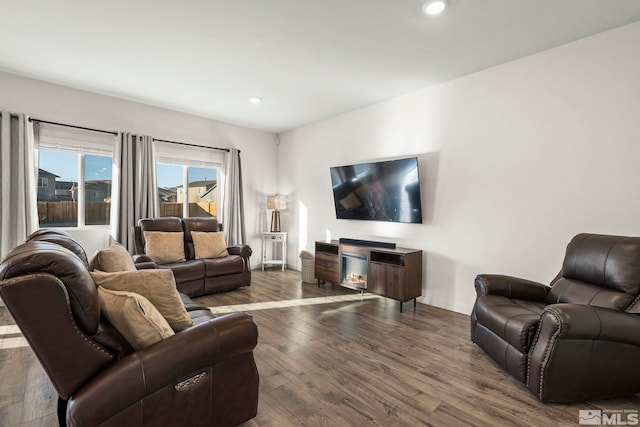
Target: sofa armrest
<point x="146" y="265"/>
<point x="138" y="258"/>
<point x="570" y="340"/>
<point x="243" y="250"/>
<point x="587" y="322"/>
<point x="161" y="365"/>
<point x="144" y="262"/>
<point x="510" y="287"/>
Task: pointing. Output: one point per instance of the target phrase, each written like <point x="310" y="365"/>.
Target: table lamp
<point x="276" y="203"/>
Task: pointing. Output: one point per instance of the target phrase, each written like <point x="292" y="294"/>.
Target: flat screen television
<point x="380" y="191"/>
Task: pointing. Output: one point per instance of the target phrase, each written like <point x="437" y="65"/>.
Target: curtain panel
<point x="18" y="181"/>
<point x="233" y="217"/>
<point x="135" y="185"/>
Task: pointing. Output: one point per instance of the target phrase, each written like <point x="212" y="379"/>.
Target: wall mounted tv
<point x="380" y="191"/>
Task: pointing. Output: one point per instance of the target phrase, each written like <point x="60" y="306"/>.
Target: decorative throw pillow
<point x="115" y="258"/>
<point x="134" y="317"/>
<point x="209" y="244"/>
<point x="158" y="286"/>
<point x="164" y="247"/>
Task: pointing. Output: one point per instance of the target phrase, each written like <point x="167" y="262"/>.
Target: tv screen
<point x="380" y="191"/>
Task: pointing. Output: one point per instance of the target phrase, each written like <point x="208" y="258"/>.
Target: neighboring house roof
<point x="44" y="172"/>
<point x="209" y="190"/>
<point x="99" y="185"/>
<point x="167" y="193"/>
<point x="208" y="183"/>
<point x="65" y="185"/>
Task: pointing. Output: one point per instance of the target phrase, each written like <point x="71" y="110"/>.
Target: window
<point x="187" y="190"/>
<point x="74" y="177"/>
<point x="188" y="180"/>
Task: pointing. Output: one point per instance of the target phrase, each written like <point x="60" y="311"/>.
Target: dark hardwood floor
<point x="353" y="362"/>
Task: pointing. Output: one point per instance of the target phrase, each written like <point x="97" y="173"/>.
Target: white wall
<point x="515" y="160"/>
<point x="70" y="106"/>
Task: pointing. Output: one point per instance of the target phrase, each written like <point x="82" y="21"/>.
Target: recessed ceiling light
<point x="255" y="100"/>
<point x="434" y="7"/>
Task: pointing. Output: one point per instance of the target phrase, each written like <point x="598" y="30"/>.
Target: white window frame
<point x="80" y="142"/>
<point x="179" y="155"/>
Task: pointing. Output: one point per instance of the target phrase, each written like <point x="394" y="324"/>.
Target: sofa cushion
<point x="513" y="320"/>
<point x="605" y="261"/>
<point x="115" y="258"/>
<point x="232" y="264"/>
<point x="164" y="247"/>
<point x="134" y="317"/>
<point x="187" y="271"/>
<point x="209" y="244"/>
<point x="571" y="291"/>
<point x="158" y="286"/>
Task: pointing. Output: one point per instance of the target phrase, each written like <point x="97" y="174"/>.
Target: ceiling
<point x="307" y="60"/>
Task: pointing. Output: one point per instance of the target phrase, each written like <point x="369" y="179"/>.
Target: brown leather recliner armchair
<point x="576" y="340"/>
<point x="202" y="376"/>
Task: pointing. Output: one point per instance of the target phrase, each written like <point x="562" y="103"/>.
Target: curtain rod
<point x="192" y="145"/>
<point x="31" y="119"/>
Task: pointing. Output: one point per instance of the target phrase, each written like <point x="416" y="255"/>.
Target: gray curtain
<point x="135" y="185"/>
<point x="18" y="178"/>
<point x="233" y="204"/>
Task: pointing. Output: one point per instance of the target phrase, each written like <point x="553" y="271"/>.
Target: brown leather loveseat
<point x="196" y="277"/>
<point x="204" y="375"/>
<point x="576" y="340"/>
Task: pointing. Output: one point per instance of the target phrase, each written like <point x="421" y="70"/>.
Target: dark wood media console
<point x="392" y="273"/>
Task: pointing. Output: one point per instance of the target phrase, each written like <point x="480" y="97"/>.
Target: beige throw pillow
<point x="158" y="286"/>
<point x="134" y="317"/>
<point x="209" y="244"/>
<point x="164" y="247"/>
<point x="115" y="258"/>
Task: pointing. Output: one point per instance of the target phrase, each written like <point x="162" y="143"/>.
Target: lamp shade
<point x="276" y="202"/>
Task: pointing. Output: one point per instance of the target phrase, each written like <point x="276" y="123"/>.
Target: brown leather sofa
<point x="576" y="340"/>
<point x="196" y="277"/>
<point x="204" y="375"/>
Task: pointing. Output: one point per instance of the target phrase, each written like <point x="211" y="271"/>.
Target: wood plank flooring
<point x="351" y="362"/>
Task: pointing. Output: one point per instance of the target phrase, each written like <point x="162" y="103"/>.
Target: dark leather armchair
<point x="202" y="376"/>
<point x="576" y="340"/>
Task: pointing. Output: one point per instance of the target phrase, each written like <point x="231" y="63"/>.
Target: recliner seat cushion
<point x="186" y="271"/>
<point x="513" y="320"/>
<point x="232" y="264"/>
